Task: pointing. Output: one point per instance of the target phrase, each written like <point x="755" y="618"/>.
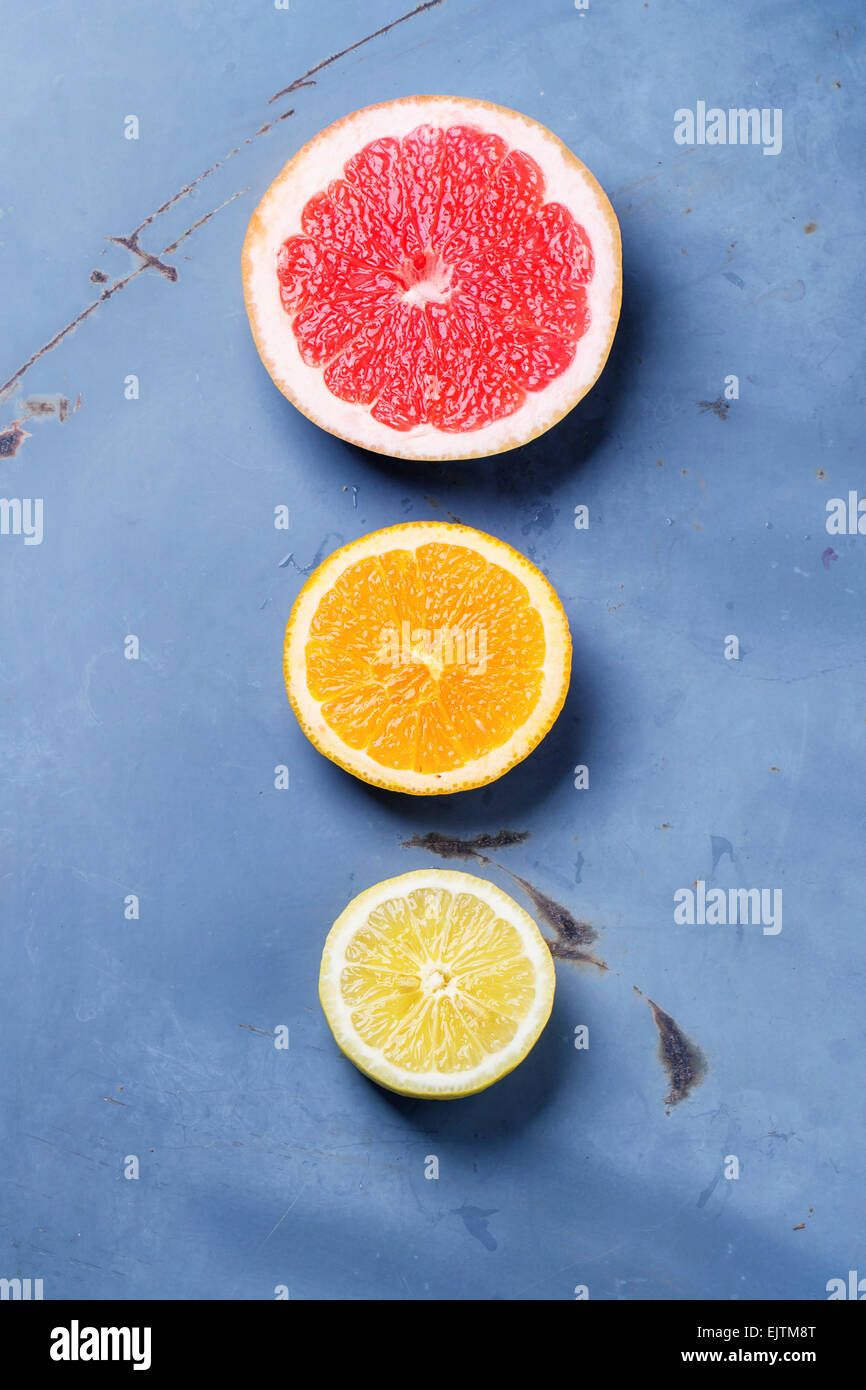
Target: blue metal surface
<point x="262" y="1167"/>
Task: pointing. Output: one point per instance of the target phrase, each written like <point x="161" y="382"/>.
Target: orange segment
<point x="416" y="640"/>
<point x="426" y="651"/>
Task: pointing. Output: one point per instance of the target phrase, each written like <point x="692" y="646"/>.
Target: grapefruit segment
<point x="434" y="277"/>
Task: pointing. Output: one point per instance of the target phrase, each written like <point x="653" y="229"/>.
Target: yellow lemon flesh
<point x="436" y="983"/>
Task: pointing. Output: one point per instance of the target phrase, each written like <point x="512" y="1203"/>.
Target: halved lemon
<point x="427" y="657"/>
<point x="436" y="983"/>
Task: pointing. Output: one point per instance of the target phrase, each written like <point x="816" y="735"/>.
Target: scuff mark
<point x="708" y="1191"/>
<point x="149" y="260"/>
<point x="307" y="570"/>
<point x="107" y="294"/>
<point x="111" y="1100"/>
<point x="475" y="1220"/>
<point x="719" y="407"/>
<point x="790" y="294"/>
<point x="194" y="183"/>
<point x="252" y="1029"/>
<point x="335" y="57"/>
<point x="719" y="846"/>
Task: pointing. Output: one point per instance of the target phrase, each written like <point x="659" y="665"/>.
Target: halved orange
<point x="427" y="657"/>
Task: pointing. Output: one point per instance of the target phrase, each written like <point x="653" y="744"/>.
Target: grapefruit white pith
<point x="434" y="278"/>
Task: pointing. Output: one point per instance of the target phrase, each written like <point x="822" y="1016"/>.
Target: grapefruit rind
<point x="434" y="1085"/>
<point x="479" y="771"/>
<point x="278" y="216"/>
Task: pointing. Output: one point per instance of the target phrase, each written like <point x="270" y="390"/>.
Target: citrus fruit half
<point x="433" y="278"/>
<point x="436" y="983"/>
<point x="427" y="657"/>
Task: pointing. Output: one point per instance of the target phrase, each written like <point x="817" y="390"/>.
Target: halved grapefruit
<point x="434" y="278"/>
<point x="427" y="657"/>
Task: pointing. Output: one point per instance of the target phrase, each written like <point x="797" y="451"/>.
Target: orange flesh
<point x="426" y="659"/>
<point x="433" y="284"/>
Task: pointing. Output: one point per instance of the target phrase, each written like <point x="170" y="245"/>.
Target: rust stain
<point x="809" y="228"/>
<point x="33" y="408"/>
<point x="11" y="440"/>
<point x="131" y="244"/>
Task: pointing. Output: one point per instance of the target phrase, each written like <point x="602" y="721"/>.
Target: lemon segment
<point x="436" y="983"/>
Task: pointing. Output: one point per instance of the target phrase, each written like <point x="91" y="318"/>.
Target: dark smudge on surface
<point x="11" y="440"/>
<point x="450" y="847"/>
<point x="571" y="933"/>
<point x="682" y="1059"/>
<point x="718" y="407"/>
<point x="34" y="408"/>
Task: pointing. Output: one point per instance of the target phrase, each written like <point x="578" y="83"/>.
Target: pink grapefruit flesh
<point x="434" y="278"/>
